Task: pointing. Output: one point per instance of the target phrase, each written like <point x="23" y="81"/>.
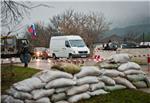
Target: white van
<point x="68" y="47"/>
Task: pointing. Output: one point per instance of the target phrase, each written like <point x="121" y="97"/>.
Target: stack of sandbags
<point x="119" y="58"/>
<point x="134" y="74"/>
<point x="60" y="87"/>
<point x="107" y="76"/>
<point x="87" y="75"/>
<point x="23" y="92"/>
<point x="90" y="75"/>
<point x="44" y="87"/>
<point x="114" y="61"/>
<point x="60" y="81"/>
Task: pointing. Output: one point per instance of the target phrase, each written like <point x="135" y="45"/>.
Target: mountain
<point x="139" y="29"/>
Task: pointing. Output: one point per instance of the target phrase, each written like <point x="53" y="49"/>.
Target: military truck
<point x="11" y="46"/>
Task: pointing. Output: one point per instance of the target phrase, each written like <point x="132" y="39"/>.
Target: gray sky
<point x="120" y="14"/>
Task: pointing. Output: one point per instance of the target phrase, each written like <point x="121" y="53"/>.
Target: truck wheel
<point x="54" y="56"/>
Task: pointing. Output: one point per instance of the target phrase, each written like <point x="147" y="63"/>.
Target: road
<point x="36" y="63"/>
<point x="46" y="64"/>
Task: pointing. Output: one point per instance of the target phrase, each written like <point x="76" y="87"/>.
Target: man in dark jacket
<point x="25" y="52"/>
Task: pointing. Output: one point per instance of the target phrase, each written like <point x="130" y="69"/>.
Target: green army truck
<point x="11" y="46"/>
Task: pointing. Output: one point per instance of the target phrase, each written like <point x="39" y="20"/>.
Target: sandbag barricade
<point x="51" y="86"/>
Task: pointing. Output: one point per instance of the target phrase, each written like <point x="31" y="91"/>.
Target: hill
<point x="139" y="29"/>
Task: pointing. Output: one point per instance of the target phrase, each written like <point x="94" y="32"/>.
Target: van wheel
<point x="70" y="56"/>
<point x="54" y="56"/>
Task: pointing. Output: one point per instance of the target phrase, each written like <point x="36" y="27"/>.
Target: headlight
<point x="88" y="51"/>
<point x="38" y="53"/>
<point x="75" y="52"/>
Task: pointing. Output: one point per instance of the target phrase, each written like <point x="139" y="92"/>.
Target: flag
<point x="31" y="29"/>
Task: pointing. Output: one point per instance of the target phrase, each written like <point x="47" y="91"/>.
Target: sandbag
<point x="134" y="78"/>
<point x="147" y="79"/>
<point x="77" y="89"/>
<point x="96" y="86"/>
<point x="60" y="90"/>
<point x="115" y="87"/>
<point x="87" y="80"/>
<point x="130" y="72"/>
<point x="97" y="92"/>
<point x="113" y="73"/>
<point x="78" y="97"/>
<point x="48" y="75"/>
<point x="58" y="97"/>
<point x="140" y="84"/>
<point x="41" y="100"/>
<point x="19" y="94"/>
<point x="3" y="97"/>
<point x="28" y="85"/>
<point x="62" y="82"/>
<point x="63" y="101"/>
<point x="10" y="99"/>
<point x="107" y="80"/>
<point x="129" y="66"/>
<point x="124" y="82"/>
<point x="88" y="71"/>
<point x="119" y="58"/>
<point x="37" y="94"/>
<point x="108" y="65"/>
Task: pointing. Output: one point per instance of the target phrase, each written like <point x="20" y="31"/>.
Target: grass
<point x="120" y="96"/>
<point x="12" y="74"/>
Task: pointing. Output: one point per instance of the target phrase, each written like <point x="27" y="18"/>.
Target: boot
<point x="26" y="65"/>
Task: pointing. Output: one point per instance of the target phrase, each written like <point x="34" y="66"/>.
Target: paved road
<point x="46" y="64"/>
<point x="38" y="64"/>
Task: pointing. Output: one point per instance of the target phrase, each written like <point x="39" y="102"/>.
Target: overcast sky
<point x="120" y="14"/>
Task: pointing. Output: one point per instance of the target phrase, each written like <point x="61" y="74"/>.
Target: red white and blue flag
<point x="31" y="29"/>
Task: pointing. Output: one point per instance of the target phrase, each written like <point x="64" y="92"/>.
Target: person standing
<point x="25" y="53"/>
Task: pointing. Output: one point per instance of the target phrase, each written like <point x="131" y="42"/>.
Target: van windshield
<point x="77" y="43"/>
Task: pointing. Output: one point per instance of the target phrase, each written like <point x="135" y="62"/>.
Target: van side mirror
<point x="67" y="45"/>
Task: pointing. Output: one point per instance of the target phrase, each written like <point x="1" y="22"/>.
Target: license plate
<point x="83" y="56"/>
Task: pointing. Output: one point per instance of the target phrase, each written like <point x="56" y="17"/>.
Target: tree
<point x="12" y="13"/>
<point x="89" y="26"/>
<point x="132" y="37"/>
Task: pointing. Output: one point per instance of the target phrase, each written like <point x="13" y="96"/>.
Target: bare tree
<point x="132" y="37"/>
<point x="88" y="26"/>
<point x="13" y="12"/>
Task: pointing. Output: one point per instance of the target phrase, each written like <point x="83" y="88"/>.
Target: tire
<point x="70" y="56"/>
<point x="54" y="56"/>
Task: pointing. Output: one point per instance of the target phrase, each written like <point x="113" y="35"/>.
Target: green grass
<point x="120" y="96"/>
<point x="12" y="74"/>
